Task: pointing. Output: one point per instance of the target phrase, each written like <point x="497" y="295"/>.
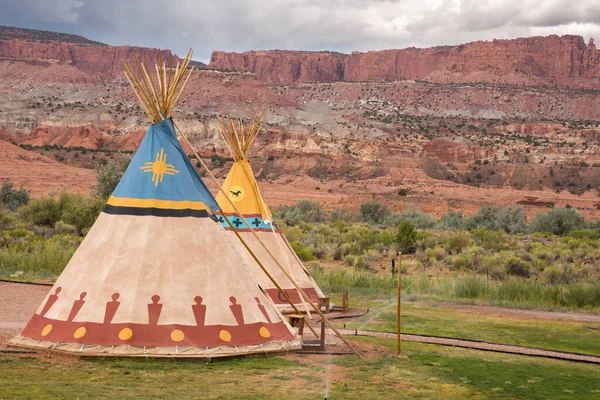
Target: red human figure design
<point x="111" y="308"/>
<point x="236" y="309"/>
<point x="199" y="310"/>
<point x="154" y="310"/>
<point x="263" y="310"/>
<point x="77" y="304"/>
<point x="51" y="300"/>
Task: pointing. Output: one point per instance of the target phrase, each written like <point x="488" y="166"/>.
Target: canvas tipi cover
<point x="157" y="275"/>
<point x="242" y="189"/>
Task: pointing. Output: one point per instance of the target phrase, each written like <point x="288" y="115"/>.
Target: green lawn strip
<point x="428" y="372"/>
<point x="461" y="373"/>
<point x="567" y="336"/>
<point x="133" y="379"/>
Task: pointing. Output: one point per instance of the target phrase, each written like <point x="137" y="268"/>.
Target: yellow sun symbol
<point x="159" y="167"/>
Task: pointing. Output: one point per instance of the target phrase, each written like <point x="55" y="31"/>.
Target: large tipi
<point x="157" y="275"/>
<point x="243" y="192"/>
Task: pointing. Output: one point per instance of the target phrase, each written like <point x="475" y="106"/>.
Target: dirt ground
<point x="18" y="302"/>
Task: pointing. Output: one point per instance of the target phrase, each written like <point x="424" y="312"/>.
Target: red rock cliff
<point x="282" y="67"/>
<point x="104" y="60"/>
<point x="553" y="59"/>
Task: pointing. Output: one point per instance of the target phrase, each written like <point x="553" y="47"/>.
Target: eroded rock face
<point x="557" y="60"/>
<point x="282" y="67"/>
<point x="91" y="59"/>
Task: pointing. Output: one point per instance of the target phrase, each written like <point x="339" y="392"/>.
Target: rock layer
<point x="91" y="59"/>
<point x="558" y="60"/>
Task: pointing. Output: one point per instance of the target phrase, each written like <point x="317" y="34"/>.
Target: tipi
<point x="242" y="190"/>
<point x="157" y="275"/>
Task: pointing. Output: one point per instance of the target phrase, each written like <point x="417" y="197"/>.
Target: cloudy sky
<point x="338" y="25"/>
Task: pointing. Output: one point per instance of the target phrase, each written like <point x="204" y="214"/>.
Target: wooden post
<point x="322" y="344"/>
<point x="398" y="351"/>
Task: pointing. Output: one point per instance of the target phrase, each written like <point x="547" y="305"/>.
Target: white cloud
<point x="338" y="25"/>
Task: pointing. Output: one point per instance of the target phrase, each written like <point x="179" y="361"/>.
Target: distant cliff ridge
<point x="555" y="60"/>
<point x="93" y="60"/>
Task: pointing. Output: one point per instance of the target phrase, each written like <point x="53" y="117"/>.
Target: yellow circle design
<point x="264" y="332"/>
<point x="46" y="330"/>
<point x="225" y="336"/>
<point x="236" y="193"/>
<point x="125" y="334"/>
<point x="79" y="333"/>
<point x="177" y="335"/>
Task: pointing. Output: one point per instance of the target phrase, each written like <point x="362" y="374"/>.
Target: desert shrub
<point x="517" y="267"/>
<point x="373" y="212"/>
<point x="416" y="217"/>
<point x="452" y="220"/>
<point x="552" y="274"/>
<point x="62" y="228"/>
<point x="341" y="214"/>
<point x="109" y="173"/>
<point x="13" y="198"/>
<point x="304" y="253"/>
<point x="437" y="253"/>
<point x="304" y="210"/>
<point x="490" y="240"/>
<point x="341" y="251"/>
<point x="43" y="211"/>
<point x="457" y="241"/>
<point x="349" y="260"/>
<point x="406" y="237"/>
<point x="460" y="261"/>
<point x="79" y="211"/>
<point x="559" y="221"/>
<point x="508" y="219"/>
<point x="361" y="263"/>
<point x="585" y="234"/>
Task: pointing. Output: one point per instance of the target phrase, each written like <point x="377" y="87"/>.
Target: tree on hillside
<point x="406" y="237"/>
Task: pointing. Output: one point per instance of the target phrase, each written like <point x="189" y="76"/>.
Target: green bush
<point x="559" y="221"/>
<point x="304" y="253"/>
<point x="13" y="198"/>
<point x="109" y="173"/>
<point x="490" y="240"/>
<point x="452" y="220"/>
<point x="373" y="212"/>
<point x="303" y="211"/>
<point x="456" y="242"/>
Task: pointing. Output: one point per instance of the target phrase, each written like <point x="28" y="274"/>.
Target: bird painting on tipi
<point x="244" y="195"/>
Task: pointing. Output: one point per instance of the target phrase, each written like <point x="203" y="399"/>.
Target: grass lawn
<point x="428" y="372"/>
<point x="578" y="337"/>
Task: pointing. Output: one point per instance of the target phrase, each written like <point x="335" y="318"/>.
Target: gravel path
<point x="514" y="312"/>
<point x="471" y="344"/>
<point x="18" y="302"/>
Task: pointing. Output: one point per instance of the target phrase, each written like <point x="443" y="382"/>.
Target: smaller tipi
<point x="156" y="274"/>
<point x="242" y="190"/>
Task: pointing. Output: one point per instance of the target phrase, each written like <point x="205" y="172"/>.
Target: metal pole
<point x="398" y="351"/>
